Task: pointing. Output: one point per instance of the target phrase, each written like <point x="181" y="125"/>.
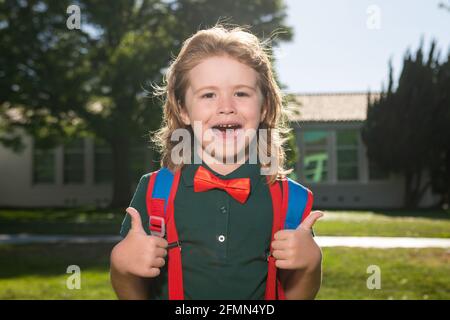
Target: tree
<point x="42" y="67"/>
<point x="401" y="127"/>
<point x="440" y="161"/>
<point x="70" y="82"/>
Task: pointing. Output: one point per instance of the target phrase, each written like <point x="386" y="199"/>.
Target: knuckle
<point x="155" y="272"/>
<point x="158" y="262"/>
<point x="279" y="264"/>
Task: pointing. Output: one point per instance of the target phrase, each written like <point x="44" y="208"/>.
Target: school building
<point x="332" y="163"/>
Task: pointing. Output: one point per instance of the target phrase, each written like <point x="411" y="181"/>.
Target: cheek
<point x="200" y="114"/>
<point x="200" y="111"/>
<point x="252" y="113"/>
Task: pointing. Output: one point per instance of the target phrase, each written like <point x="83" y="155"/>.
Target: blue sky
<point x="334" y="50"/>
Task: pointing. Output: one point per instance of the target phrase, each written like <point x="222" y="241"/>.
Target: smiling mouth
<point x="227" y="131"/>
<point x="224" y="127"/>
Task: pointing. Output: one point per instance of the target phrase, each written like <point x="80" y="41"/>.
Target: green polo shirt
<point x="224" y="242"/>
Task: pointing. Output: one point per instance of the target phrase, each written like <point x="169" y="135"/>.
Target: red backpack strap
<point x="160" y="208"/>
<point x="279" y="194"/>
<point x="176" y="291"/>
<point x="296" y="204"/>
<point x="155" y="209"/>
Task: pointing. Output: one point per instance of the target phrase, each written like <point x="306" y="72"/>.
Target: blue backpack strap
<point x="158" y="193"/>
<point x="163" y="185"/>
<point x="300" y="201"/>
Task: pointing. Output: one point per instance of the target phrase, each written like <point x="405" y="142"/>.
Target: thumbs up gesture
<point x="139" y="254"/>
<point x="296" y="249"/>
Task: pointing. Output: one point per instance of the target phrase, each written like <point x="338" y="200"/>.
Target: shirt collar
<point x="245" y="170"/>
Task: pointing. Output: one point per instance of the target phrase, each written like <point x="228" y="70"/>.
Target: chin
<point x="229" y="155"/>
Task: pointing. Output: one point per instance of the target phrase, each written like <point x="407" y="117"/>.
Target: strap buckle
<point x="174" y="245"/>
<point x="157" y="226"/>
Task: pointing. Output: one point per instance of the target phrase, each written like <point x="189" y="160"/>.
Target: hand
<point x="296" y="249"/>
<point x="139" y="254"/>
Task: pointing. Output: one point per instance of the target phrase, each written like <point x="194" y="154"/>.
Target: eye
<point x="208" y="95"/>
<point x="242" y="94"/>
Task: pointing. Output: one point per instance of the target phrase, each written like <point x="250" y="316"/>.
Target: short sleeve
<point x="138" y="202"/>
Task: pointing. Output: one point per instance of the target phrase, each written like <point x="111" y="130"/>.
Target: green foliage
<point x="440" y="162"/>
<point x="404" y="131"/>
<point x="65" y="82"/>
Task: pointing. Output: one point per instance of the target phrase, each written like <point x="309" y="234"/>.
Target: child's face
<point x="223" y="96"/>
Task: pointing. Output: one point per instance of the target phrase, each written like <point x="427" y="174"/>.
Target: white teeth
<point x="227" y="125"/>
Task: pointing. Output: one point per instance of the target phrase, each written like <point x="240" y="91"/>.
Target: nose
<point x="226" y="105"/>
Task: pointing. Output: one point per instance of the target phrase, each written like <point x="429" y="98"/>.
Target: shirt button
<point x="223" y="209"/>
<point x="221" y="238"/>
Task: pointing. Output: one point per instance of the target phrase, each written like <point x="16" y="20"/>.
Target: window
<point x="315" y="156"/>
<point x="347" y="155"/>
<point x="74" y="161"/>
<point x="44" y="165"/>
<point x="103" y="162"/>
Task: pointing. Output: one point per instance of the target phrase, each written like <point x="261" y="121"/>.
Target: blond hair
<point x="244" y="47"/>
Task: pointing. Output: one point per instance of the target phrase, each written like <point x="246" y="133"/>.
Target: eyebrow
<point x="215" y="88"/>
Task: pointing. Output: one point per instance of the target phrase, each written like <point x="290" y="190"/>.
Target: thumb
<point x="311" y="219"/>
<point x="136" y="222"/>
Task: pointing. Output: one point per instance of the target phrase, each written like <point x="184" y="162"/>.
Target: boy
<point x="219" y="89"/>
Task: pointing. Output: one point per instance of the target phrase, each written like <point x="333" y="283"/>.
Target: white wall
<point x="17" y="188"/>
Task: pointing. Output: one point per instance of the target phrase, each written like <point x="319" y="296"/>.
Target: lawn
<point x="61" y="221"/>
<point x="335" y="223"/>
<point x="39" y="272"/>
<point x="405" y="273"/>
<point x="385" y="223"/>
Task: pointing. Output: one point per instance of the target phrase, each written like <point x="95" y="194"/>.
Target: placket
<point x="222" y="219"/>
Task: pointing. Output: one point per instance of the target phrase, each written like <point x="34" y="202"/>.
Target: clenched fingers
<point x="159" y="262"/>
<point x="280" y="254"/>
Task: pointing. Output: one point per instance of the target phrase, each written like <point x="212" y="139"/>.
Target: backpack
<point x="291" y="201"/>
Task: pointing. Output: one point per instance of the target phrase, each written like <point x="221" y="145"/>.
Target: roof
<point x="331" y="107"/>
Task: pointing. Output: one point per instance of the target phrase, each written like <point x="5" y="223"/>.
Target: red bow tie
<point x="204" y="180"/>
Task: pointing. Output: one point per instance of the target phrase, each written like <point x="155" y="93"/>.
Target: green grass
<point x="405" y="273"/>
<point x="39" y="272"/>
<point x="335" y="223"/>
<point x="384" y="223"/>
<point x="61" y="221"/>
